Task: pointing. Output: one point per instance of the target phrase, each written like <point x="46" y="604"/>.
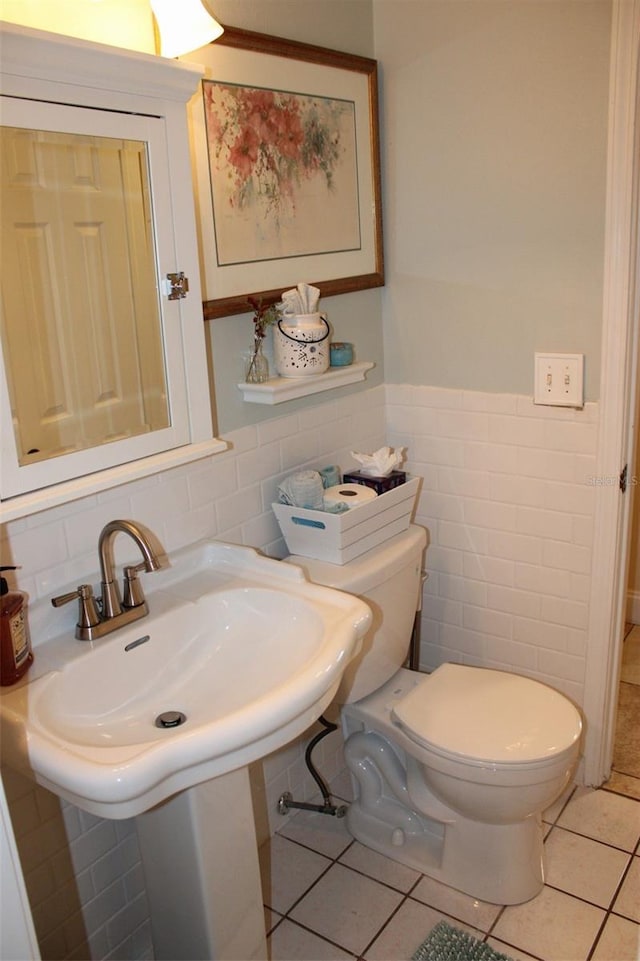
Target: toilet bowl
<point x="453" y="769"/>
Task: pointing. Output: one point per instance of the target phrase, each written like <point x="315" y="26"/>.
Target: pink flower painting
<point x="278" y="160"/>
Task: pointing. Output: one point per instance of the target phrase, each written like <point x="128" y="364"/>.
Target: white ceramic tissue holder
<point x="301" y="336"/>
<point x="301" y="345"/>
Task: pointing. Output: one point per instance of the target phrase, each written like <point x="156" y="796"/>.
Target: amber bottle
<point x="16" y="655"/>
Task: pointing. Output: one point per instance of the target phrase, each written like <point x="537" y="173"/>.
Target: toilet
<point x="452" y="769"/>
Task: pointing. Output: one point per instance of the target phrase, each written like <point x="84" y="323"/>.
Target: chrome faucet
<point x="112" y="606"/>
<point x="98" y="617"/>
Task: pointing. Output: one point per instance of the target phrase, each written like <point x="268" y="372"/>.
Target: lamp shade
<point x="183" y="26"/>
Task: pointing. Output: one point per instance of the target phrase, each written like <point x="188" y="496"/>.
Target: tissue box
<point x="380" y="484"/>
<point x="339" y="538"/>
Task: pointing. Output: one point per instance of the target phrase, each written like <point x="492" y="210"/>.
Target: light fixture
<point x="118" y="23"/>
<point x="183" y="26"/>
<point x="180" y="25"/>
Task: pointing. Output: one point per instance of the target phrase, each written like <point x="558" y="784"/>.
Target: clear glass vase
<point x="256" y="365"/>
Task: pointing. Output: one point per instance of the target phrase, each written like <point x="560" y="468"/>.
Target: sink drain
<point x="170" y="719"/>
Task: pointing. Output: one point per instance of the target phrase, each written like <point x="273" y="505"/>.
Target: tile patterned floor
<point x="328" y="897"/>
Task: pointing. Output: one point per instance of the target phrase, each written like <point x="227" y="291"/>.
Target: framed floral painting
<point x="286" y="155"/>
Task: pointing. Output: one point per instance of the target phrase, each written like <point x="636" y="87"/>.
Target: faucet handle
<point x="88" y="615"/>
<point x="133" y="593"/>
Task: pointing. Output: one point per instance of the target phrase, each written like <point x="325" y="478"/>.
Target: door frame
<point x="618" y="379"/>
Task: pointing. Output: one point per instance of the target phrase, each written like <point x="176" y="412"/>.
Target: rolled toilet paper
<point x="351" y="495"/>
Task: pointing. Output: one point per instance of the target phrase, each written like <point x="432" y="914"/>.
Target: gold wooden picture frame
<point x="287" y="163"/>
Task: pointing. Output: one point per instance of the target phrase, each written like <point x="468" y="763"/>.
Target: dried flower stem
<point x="263" y="317"/>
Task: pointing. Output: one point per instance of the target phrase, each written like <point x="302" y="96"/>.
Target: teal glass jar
<point x="341" y="353"/>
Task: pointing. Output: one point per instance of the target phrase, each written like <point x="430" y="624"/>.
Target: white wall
<point x="494" y="144"/>
<point x="509" y="506"/>
<point x="494" y="182"/>
<point x="357" y="317"/>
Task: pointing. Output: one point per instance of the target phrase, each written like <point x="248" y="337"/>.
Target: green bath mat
<point x="446" y="943"/>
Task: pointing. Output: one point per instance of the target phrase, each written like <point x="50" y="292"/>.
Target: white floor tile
<point x="583" y="867"/>
<point x="477" y="915"/>
<point x="287" y="870"/>
<point x="514" y="953"/>
<point x="550" y="814"/>
<point x="405" y="932"/>
<point x="628" y="900"/>
<point x="290" y="942"/>
<point x="604" y="816"/>
<point x="379" y="867"/>
<point x="619" y="941"/>
<point x="553" y="926"/>
<point x="326" y="834"/>
<point x="337" y="909"/>
<point x="347" y="908"/>
<point x="271" y="918"/>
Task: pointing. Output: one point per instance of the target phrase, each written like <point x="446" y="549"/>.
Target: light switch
<point x="559" y="380"/>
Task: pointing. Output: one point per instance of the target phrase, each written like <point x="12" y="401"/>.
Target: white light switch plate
<point x="559" y="380"/>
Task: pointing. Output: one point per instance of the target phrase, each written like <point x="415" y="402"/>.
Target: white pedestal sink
<point x="203" y="879"/>
<point x="243" y="654"/>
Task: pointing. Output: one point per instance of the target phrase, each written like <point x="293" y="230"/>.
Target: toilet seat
<point x="482" y="716"/>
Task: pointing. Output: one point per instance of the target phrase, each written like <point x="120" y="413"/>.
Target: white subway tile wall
<point x="508" y="499"/>
<point x="509" y="508"/>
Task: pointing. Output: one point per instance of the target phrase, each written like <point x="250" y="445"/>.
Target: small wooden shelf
<point x="280" y="389"/>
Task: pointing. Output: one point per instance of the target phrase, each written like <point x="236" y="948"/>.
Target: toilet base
<point x="499" y="863"/>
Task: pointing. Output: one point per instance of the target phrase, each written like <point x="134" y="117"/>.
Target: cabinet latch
<point x="176" y="286"/>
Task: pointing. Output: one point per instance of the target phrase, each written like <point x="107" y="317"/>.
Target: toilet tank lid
<point x="367" y="571"/>
<point x="488" y="715"/>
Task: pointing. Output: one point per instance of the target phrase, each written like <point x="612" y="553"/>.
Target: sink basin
<point x="240" y="652"/>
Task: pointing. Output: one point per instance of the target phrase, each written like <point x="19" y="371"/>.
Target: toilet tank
<point x="388" y="578"/>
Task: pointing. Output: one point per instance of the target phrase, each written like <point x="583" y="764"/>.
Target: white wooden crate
<point x="338" y="538"/>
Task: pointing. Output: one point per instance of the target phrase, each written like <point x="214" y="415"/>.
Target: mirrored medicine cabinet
<point x="103" y="375"/>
